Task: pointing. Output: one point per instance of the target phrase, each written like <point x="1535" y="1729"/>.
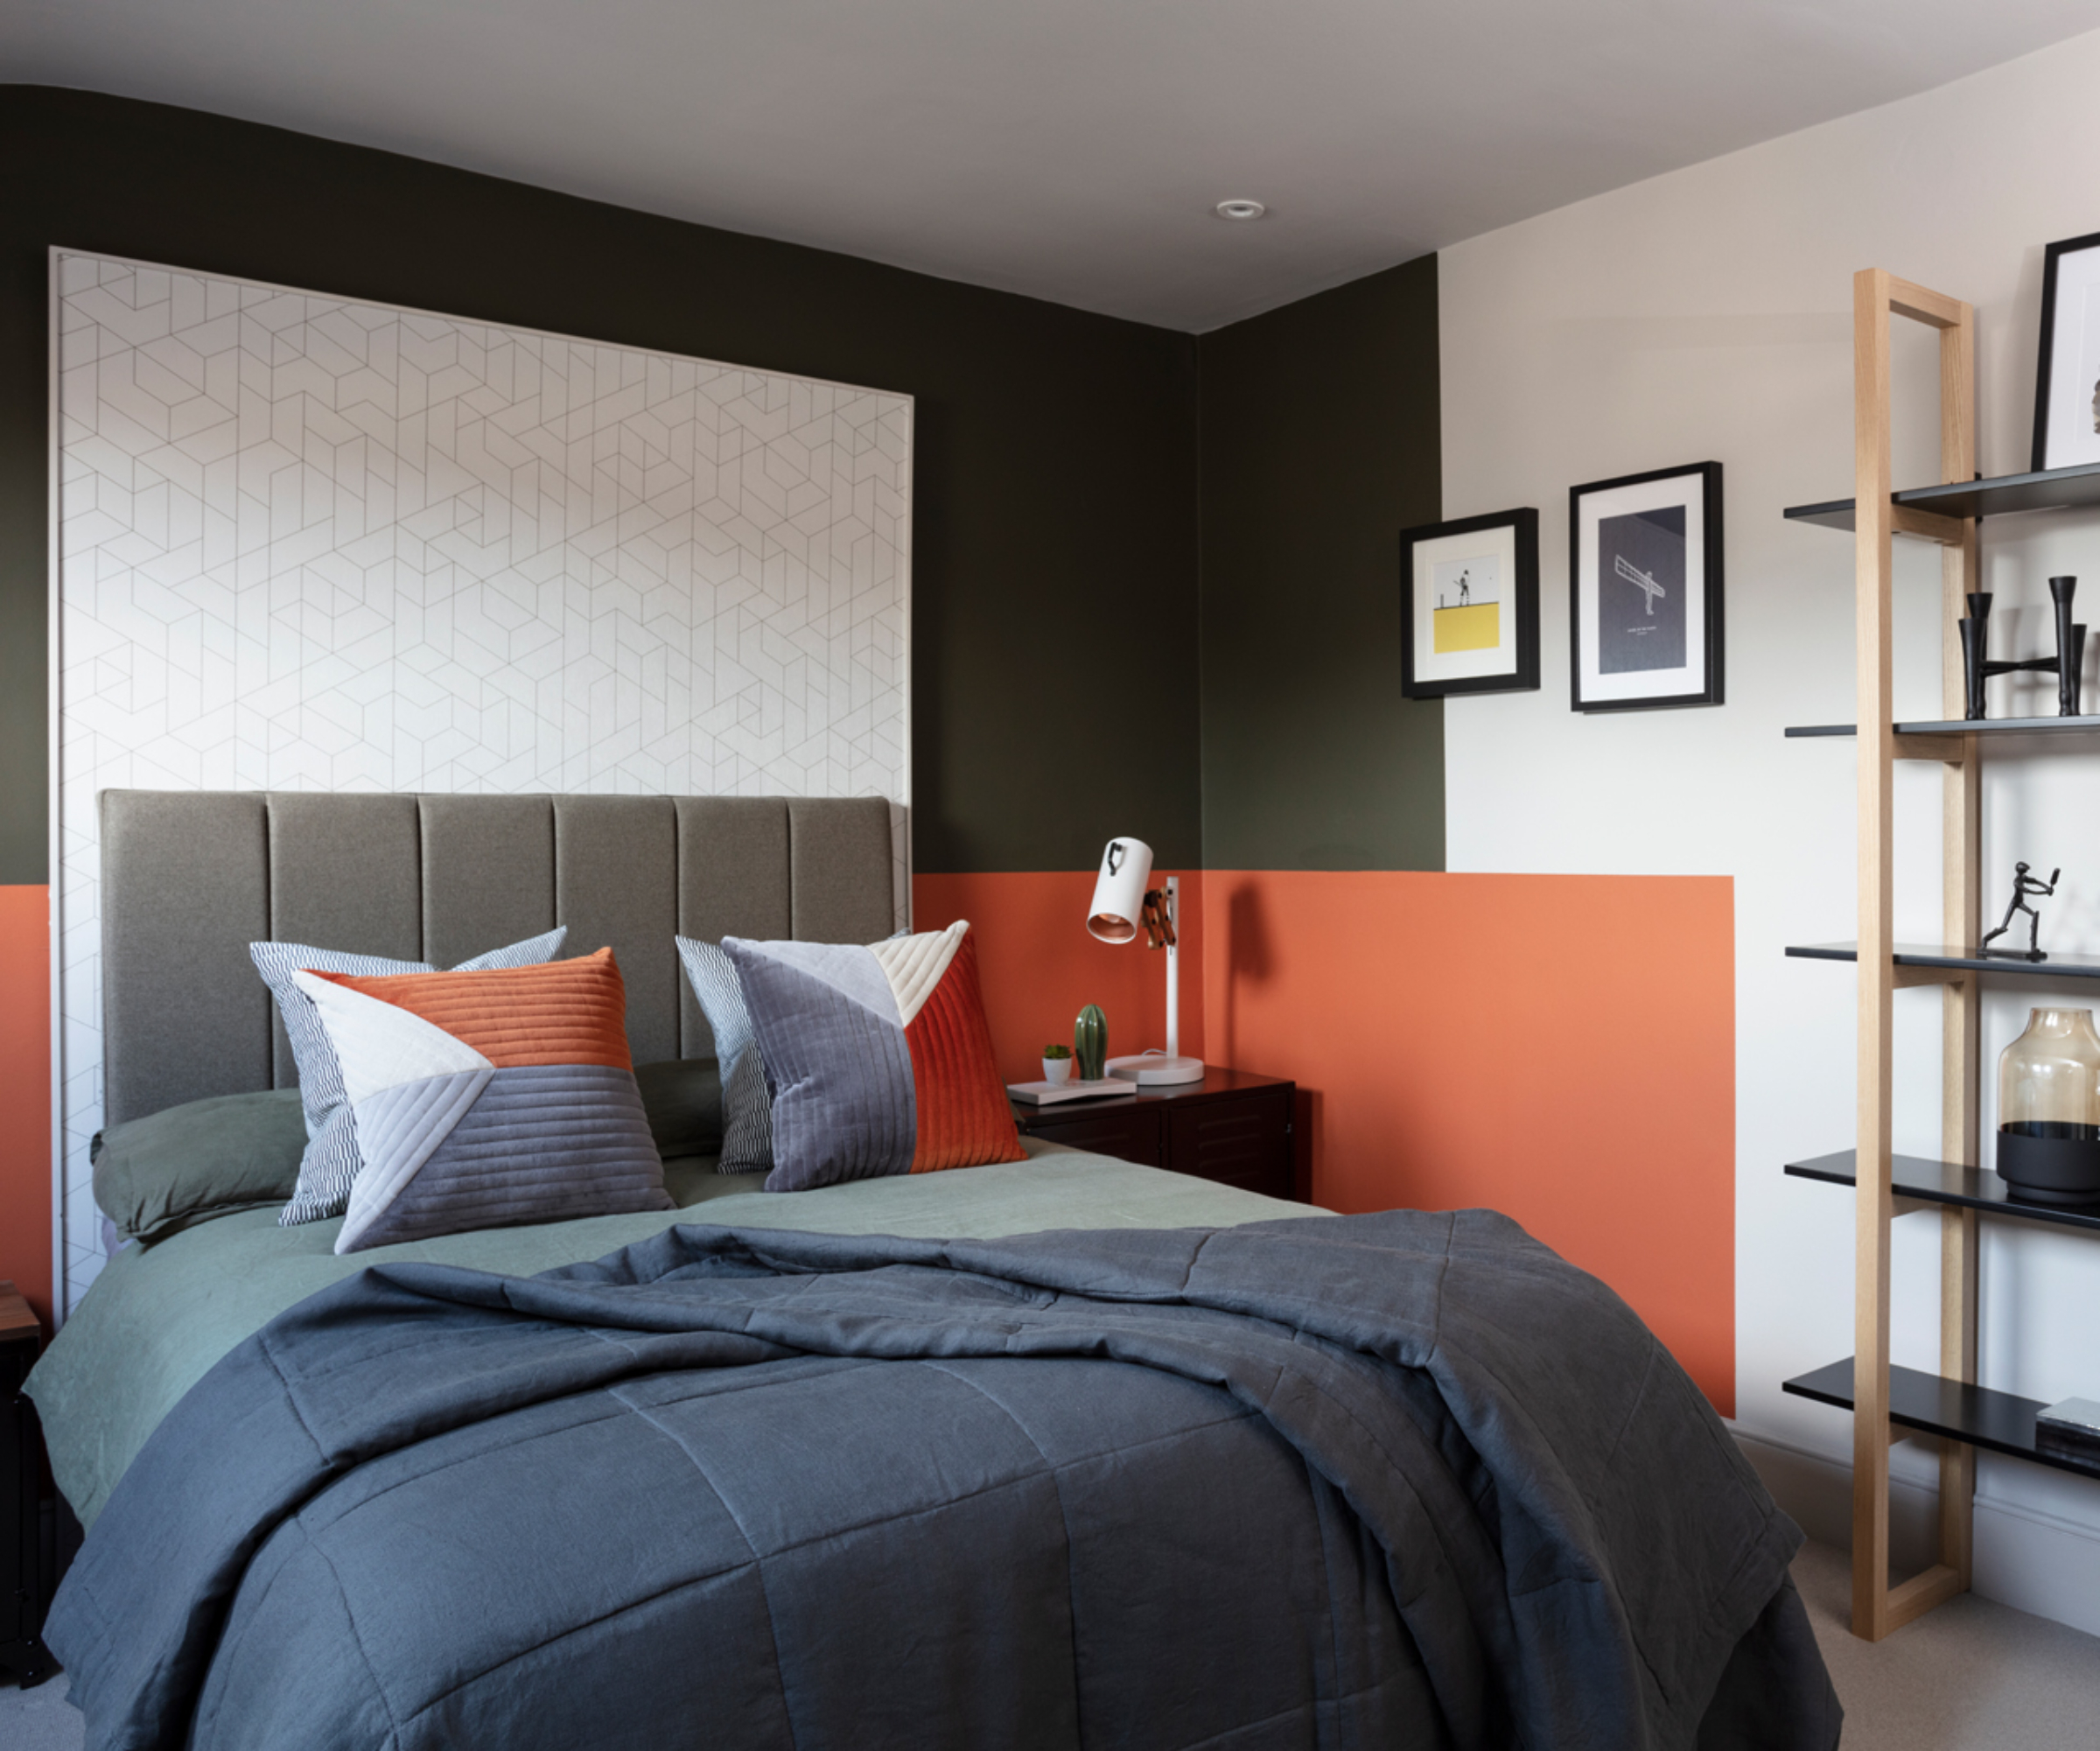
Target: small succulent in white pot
<point x="1057" y="1064"/>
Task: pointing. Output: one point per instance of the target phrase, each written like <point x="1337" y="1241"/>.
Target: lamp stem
<point x="1173" y="967"/>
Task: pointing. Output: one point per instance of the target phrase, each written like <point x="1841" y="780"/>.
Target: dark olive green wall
<point x="1072" y="485"/>
<point x="1054" y="494"/>
<point x="1321" y="444"/>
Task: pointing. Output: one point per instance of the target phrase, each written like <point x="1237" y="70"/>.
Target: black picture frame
<point x="1702" y="484"/>
<point x="2052" y="264"/>
<point x="1418" y="679"/>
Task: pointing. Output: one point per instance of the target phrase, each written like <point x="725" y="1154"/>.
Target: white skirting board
<point x="2030" y="1560"/>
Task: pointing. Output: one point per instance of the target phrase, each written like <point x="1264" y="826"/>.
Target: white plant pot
<point x="1057" y="1071"/>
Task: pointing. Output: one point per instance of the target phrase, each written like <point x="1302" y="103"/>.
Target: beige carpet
<point x="1973" y="1675"/>
<point x="1970" y="1677"/>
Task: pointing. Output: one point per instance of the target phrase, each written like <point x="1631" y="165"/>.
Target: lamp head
<point x="1119" y="889"/>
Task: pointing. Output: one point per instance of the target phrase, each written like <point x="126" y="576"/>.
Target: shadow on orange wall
<point x="1561" y="1049"/>
<point x="1040" y="967"/>
<point x="25" y="1093"/>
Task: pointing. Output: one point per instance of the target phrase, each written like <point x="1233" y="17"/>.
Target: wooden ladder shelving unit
<point x="1878" y="1607"/>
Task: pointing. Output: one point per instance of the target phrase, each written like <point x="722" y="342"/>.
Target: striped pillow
<point x="487" y="1099"/>
<point x="879" y="1058"/>
<point x="747" y="1101"/>
<point x="330" y="1160"/>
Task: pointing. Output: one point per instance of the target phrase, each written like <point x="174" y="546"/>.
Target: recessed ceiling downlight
<point x="1240" y="209"/>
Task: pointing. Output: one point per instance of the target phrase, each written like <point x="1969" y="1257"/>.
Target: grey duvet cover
<point x="1398" y="1480"/>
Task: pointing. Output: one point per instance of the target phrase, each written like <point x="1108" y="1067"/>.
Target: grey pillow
<point x="330" y="1160"/>
<point x="747" y="1101"/>
<point x="683" y="1097"/>
<point x="156" y="1175"/>
<point x="746" y="1133"/>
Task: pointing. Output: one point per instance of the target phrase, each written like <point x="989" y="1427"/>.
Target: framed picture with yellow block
<point x="1470" y="599"/>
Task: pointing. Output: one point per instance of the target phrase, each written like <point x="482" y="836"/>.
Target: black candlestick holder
<point x="2067" y="665"/>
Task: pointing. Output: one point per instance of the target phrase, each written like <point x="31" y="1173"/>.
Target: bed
<point x="1051" y="1452"/>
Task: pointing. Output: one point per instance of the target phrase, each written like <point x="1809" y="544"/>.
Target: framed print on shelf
<point x="1469" y="598"/>
<point x="1644" y="590"/>
<point x="2067" y="376"/>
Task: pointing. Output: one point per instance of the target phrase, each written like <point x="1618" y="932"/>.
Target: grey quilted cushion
<point x="541" y="1143"/>
<point x="330" y="1163"/>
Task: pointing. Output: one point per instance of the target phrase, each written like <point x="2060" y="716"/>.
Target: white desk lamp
<point x="1125" y="902"/>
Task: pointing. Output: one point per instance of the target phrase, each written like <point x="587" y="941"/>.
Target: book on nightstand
<point x="2070" y="1429"/>
<point x="1051" y="1094"/>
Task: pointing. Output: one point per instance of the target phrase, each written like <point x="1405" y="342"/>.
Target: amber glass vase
<point x="2048" y="1109"/>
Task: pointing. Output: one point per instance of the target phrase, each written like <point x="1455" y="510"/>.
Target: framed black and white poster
<point x="2066" y="378"/>
<point x="1469" y="595"/>
<point x="1644" y="589"/>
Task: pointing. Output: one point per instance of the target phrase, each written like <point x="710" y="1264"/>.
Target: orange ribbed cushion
<point x="963" y="1118"/>
<point x="560" y="1012"/>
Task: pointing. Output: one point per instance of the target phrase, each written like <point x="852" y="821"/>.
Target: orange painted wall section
<point x="1040" y="968"/>
<point x="25" y="1093"/>
<point x="1561" y="1049"/>
<point x="1459" y="1040"/>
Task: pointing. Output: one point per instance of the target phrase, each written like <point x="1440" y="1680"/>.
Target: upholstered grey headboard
<point x="191" y="878"/>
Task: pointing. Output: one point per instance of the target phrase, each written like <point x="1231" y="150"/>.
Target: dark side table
<point x="1233" y="1126"/>
<point x="24" y="1582"/>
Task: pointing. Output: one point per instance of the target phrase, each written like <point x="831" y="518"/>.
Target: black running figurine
<point x="2023" y="884"/>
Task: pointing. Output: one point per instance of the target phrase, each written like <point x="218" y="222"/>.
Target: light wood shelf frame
<point x="1877" y="1606"/>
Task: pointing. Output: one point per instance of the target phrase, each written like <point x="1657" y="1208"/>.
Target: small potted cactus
<point x="1057" y="1064"/>
<point x="1090" y="1043"/>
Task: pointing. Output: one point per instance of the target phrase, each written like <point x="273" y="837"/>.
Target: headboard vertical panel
<point x="185" y="889"/>
<point x="487" y="873"/>
<point x="616" y="884"/>
<point x="839" y="869"/>
<point x="346" y="872"/>
<point x="732" y="881"/>
<point x="190" y="878"/>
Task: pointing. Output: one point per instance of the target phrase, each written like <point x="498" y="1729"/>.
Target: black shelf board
<point x="1997" y="1421"/>
<point x="1948" y="1182"/>
<point x="1938" y="955"/>
<point x="1956" y="726"/>
<point x="1833" y="513"/>
<point x="2052" y="489"/>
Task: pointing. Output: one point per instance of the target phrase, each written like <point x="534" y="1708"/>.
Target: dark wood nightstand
<point x="1233" y="1126"/>
<point x="24" y="1583"/>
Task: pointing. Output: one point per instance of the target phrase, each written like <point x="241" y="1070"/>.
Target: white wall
<point x="1708" y="314"/>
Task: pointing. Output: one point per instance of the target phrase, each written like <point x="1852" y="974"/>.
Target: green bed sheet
<point x="158" y="1317"/>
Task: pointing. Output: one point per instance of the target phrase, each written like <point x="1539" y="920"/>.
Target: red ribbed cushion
<point x="963" y="1118"/>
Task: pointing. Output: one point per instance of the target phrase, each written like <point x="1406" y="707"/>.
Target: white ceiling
<point x="1069" y="148"/>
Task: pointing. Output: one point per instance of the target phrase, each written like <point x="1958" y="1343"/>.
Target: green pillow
<point x="172" y="1169"/>
<point x="683" y="1097"/>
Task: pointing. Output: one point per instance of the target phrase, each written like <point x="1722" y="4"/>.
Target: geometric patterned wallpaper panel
<point x="309" y="544"/>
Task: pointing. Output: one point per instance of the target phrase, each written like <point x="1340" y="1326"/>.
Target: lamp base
<point x="1155" y="1069"/>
